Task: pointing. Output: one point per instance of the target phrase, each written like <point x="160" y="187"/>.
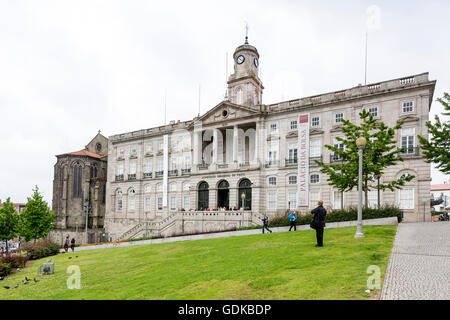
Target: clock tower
<point x="244" y="86"/>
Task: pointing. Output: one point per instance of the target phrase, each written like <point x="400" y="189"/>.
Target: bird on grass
<point x="70" y="257"/>
<point x="36" y="280"/>
<point x="27" y="279"/>
<point x="6" y="287"/>
<point x="1" y="278"/>
<point x="16" y="286"/>
<point x="24" y="282"/>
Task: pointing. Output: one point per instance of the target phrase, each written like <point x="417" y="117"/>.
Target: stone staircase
<point x="156" y="228"/>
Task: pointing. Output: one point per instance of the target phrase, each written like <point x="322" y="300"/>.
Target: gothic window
<point x="77" y="181"/>
<point x="203" y="196"/>
<point x="245" y="194"/>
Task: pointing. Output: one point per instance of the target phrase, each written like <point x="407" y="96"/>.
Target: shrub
<point x="5" y="269"/>
<point x="41" y="249"/>
<point x="15" y="260"/>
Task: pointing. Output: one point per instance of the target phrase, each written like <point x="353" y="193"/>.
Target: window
<point x="187" y="162"/>
<point x="292" y="200"/>
<point x="273" y="157"/>
<point x="147" y="204"/>
<point x="406" y="198"/>
<point x="292" y="151"/>
<point x="272" y="181"/>
<point x="148" y="166"/>
<point x="160" y="165"/>
<point x="133" y="150"/>
<point x="372" y="199"/>
<point x="119" y="204"/>
<point x="173" y="187"/>
<point x="407" y="136"/>
<point x="120" y="169"/>
<point x="373" y="111"/>
<point x="339" y="117"/>
<point x="315" y="149"/>
<point x="408" y="106"/>
<point x="315" y="121"/>
<point x="173" y="202"/>
<point x="273" y="127"/>
<point x="122" y="152"/>
<point x="293" y="125"/>
<point x="148" y="148"/>
<point x="133" y="167"/>
<point x="315" y="178"/>
<point x="160" y="205"/>
<point x="160" y="146"/>
<point x="337" y="197"/>
<point x="405" y="175"/>
<point x="173" y="164"/>
<point x="314" y="196"/>
<point x="292" y="180"/>
<point x="339" y="145"/>
<point x="271" y="201"/>
<point x="186" y="202"/>
<point x="77" y="181"/>
<point x="131" y="203"/>
<point x="186" y="186"/>
<point x="147" y="188"/>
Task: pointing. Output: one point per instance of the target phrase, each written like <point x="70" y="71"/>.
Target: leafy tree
<point x="380" y="153"/>
<point x="437" y="148"/>
<point x="9" y="222"/>
<point x="37" y="219"/>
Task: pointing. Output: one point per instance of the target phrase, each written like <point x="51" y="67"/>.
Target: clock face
<point x="255" y="61"/>
<point x="240" y="59"/>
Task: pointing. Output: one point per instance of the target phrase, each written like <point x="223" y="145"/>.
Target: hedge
<point x="41" y="249"/>
<point x="349" y="214"/>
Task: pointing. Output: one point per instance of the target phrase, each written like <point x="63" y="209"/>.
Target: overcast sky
<point x="71" y="68"/>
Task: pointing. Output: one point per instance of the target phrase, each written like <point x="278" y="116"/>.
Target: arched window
<point x="223" y="194"/>
<point x="203" y="196"/>
<point x="119" y="200"/>
<point x="245" y="194"/>
<point x="77" y="180"/>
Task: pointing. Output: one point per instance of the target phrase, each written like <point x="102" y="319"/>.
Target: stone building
<point x="240" y="159"/>
<point x="79" y="181"/>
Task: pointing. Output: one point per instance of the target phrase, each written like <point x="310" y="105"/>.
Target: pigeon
<point x="27" y="279"/>
<point x="35" y="280"/>
<point x="6" y="287"/>
<point x="76" y="256"/>
<point x="24" y="282"/>
<point x="70" y="257"/>
<point x="1" y="278"/>
<point x="16" y="286"/>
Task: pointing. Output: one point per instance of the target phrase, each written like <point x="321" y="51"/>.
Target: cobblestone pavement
<point x="419" y="267"/>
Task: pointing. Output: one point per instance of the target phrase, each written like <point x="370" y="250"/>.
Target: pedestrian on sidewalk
<point x="72" y="244"/>
<point x="318" y="222"/>
<point x="292" y="220"/>
<point x="66" y="244"/>
<point x="266" y="224"/>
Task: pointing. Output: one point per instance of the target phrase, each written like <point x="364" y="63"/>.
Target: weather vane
<point x="246" y="32"/>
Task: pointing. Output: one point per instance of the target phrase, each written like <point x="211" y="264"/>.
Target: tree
<point x="9" y="222"/>
<point x="437" y="148"/>
<point x="36" y="219"/>
<point x="380" y="153"/>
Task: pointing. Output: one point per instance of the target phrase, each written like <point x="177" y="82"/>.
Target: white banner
<point x="165" y="168"/>
<point x="303" y="161"/>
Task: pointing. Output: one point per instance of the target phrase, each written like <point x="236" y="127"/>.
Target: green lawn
<point x="270" y="266"/>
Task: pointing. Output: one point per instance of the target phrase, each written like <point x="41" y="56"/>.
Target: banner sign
<point x="303" y="161"/>
<point x="165" y="168"/>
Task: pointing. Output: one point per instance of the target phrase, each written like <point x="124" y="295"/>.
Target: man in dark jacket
<point x="319" y="222"/>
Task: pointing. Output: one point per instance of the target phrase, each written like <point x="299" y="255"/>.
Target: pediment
<point x="315" y="131"/>
<point x="292" y="134"/>
<point x="227" y="111"/>
<point x="273" y="137"/>
<point x="408" y="118"/>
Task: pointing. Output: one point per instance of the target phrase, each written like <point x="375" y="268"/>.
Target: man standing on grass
<point x="292" y="220"/>
<point x="266" y="224"/>
<point x="318" y="222"/>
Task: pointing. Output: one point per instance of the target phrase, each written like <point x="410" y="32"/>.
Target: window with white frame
<point x="122" y="152"/>
<point x="338" y="117"/>
<point x="292" y="200"/>
<point x="405" y="175"/>
<point x="173" y="164"/>
<point x="160" y="165"/>
<point x="406" y="198"/>
<point x="148" y="166"/>
<point x="293" y="124"/>
<point x="315" y="148"/>
<point x="408" y="106"/>
<point x="159" y="187"/>
<point x="292" y="151"/>
<point x="337" y="144"/>
<point x="187" y="162"/>
<point x="131" y="203"/>
<point x="147" y="204"/>
<point x="186" y="202"/>
<point x="133" y="150"/>
<point x="147" y="188"/>
<point x="133" y="167"/>
<point x="373" y="111"/>
<point x="272" y="181"/>
<point x="407" y="140"/>
<point x="292" y="180"/>
<point x="372" y="199"/>
<point x="337" y="199"/>
<point x="173" y="187"/>
<point x="120" y="169"/>
<point x="160" y="203"/>
<point x="119" y="204"/>
<point x="314" y="196"/>
<point x="271" y="201"/>
<point x="173" y="202"/>
<point x="315" y="121"/>
<point x="315" y="178"/>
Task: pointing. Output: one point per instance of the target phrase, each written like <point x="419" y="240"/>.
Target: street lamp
<point x="378" y="176"/>
<point x="361" y="143"/>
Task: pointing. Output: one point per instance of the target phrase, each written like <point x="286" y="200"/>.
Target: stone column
<point x="256" y="157"/>
<point x="215" y="145"/>
<point x="235" y="143"/>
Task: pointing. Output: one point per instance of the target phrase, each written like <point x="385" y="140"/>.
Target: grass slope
<point x="270" y="266"/>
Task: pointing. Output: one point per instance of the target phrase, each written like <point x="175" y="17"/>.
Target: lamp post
<point x="243" y="201"/>
<point x="361" y="143"/>
<point x="378" y="176"/>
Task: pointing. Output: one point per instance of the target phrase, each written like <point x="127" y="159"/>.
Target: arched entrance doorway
<point x="245" y="188"/>
<point x="203" y="196"/>
<point x="223" y="194"/>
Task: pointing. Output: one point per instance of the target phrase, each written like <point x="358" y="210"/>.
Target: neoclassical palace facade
<point x="241" y="159"/>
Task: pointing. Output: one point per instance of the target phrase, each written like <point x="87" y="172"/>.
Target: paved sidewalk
<point x="382" y="221"/>
<point x="419" y="267"/>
